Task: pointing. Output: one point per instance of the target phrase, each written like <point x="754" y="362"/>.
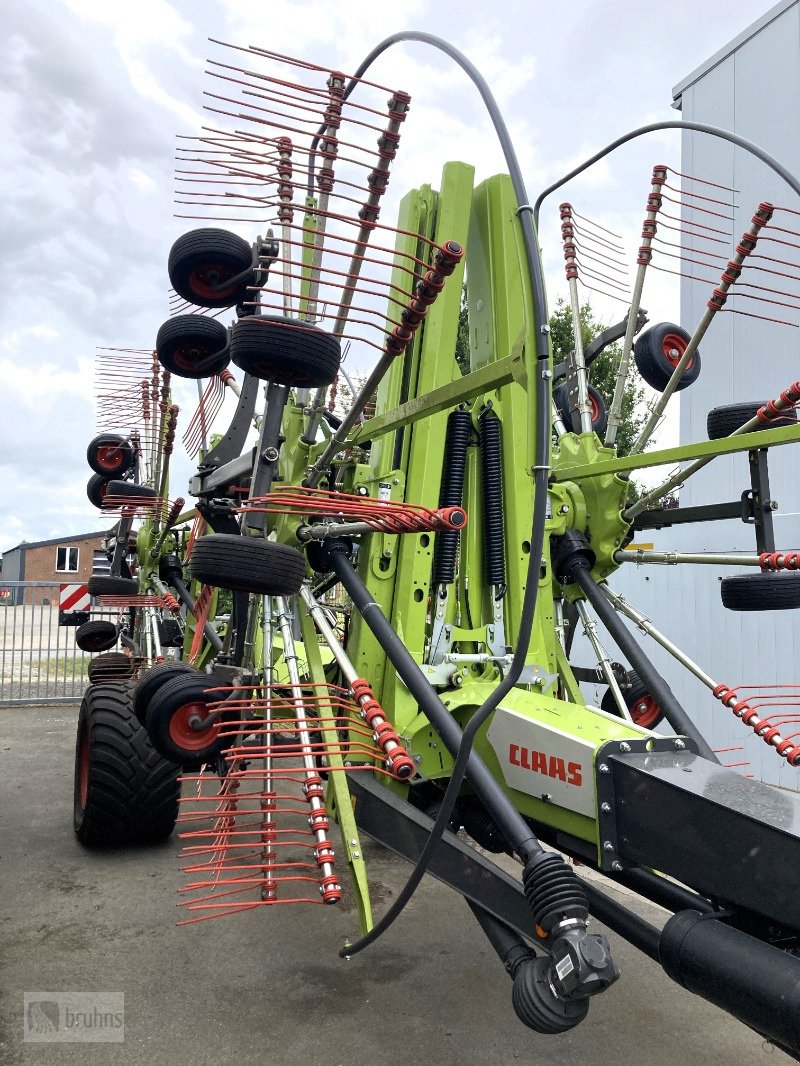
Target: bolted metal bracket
<point x="609" y="858"/>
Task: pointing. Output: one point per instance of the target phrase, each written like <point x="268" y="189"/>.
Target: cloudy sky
<point x="94" y="93"/>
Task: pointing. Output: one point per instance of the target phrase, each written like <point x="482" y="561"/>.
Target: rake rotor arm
<point x="575" y="567"/>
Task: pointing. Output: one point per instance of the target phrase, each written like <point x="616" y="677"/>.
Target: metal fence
<point x="39" y="660"/>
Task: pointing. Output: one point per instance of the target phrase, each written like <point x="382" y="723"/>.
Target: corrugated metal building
<point x="751" y="87"/>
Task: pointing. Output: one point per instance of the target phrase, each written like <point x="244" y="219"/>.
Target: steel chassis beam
<point x="763" y="438"/>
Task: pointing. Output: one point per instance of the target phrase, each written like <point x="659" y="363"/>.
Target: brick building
<point x="61" y="560"/>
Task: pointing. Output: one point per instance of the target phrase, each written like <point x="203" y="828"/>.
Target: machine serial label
<point x="543" y="761"/>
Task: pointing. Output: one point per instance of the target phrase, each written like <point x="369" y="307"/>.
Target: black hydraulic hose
<point x="625" y="641"/>
<point x="510" y="822"/>
<point x="187" y="600"/>
<point x="670" y="124"/>
<point x="451" y="494"/>
<point x="541" y="468"/>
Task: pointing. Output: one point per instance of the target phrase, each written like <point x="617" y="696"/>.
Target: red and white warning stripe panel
<point x="74" y="598"/>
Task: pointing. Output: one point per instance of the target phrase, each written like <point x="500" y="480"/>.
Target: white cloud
<point x="143" y="181"/>
<point x="92" y="94"/>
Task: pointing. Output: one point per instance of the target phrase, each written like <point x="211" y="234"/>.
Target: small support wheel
<point x="244" y="564"/>
<point x="285" y="350"/>
<point x="193" y="346"/>
<point x="174" y="721"/>
<point x="644" y="710"/>
<point x="131" y="490"/>
<point x="596" y="403"/>
<point x="110" y="455"/>
<point x="761" y="592"/>
<point x="153" y="679"/>
<point x="202" y="261"/>
<point x="113" y="666"/>
<point x="124" y="792"/>
<point x="722" y="421"/>
<point x="96" y="489"/>
<point x="100" y="585"/>
<point x="657" y="352"/>
<point x="96" y="635"/>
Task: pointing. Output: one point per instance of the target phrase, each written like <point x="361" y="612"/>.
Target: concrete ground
<point x="268" y="987"/>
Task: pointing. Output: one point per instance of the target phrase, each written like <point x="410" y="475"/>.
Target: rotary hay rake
<point x="352" y="645"/>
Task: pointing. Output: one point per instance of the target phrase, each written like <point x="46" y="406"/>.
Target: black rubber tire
<point x="152" y="680"/>
<point x="124" y="791"/>
<point x="722" y="421"/>
<point x="761" y="592"/>
<point x="100" y="585"/>
<point x="131" y="490"/>
<point x="113" y="666"/>
<point x="203" y="257"/>
<point x="170" y="699"/>
<point x="97" y="635"/>
<point x="96" y="489"/>
<point x="193" y="346"/>
<point x="644" y="710"/>
<point x="650" y="354"/>
<point x="244" y="564"/>
<point x="110" y="455"/>
<point x="285" y="350"/>
<point x="599" y="411"/>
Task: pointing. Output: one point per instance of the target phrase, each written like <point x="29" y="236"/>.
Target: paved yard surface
<point x="268" y="987"/>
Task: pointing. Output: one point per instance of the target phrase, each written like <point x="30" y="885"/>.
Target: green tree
<point x="462" y="337"/>
<point x="603" y="370"/>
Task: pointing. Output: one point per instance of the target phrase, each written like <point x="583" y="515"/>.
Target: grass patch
<point x="62" y="666"/>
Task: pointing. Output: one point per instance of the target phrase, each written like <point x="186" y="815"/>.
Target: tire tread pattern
<point x="132" y="791"/>
<point x="244" y="564"/>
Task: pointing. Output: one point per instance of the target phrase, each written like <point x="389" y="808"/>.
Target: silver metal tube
<point x="603" y="661"/>
<point x="476" y="657"/>
<point x="724" y="285"/>
<point x="307" y="754"/>
<point x="269" y="891"/>
<point x="646" y="626"/>
<point x="153" y="623"/>
<point x="558" y="423"/>
<point x="343" y="661"/>
<point x="673" y="558"/>
<point x="148" y="636"/>
<point x="369" y="212"/>
<point x="232" y="384"/>
<point x="581" y="373"/>
<point x="648" y="231"/>
<point x="323" y="530"/>
<point x="252" y="626"/>
<point x="328" y="634"/>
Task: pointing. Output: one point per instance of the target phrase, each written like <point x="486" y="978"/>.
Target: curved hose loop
<point x="670" y="124"/>
<point x="540" y="478"/>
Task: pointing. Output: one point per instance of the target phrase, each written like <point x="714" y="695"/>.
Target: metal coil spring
<point x="494" y="549"/>
<point x="451" y="492"/>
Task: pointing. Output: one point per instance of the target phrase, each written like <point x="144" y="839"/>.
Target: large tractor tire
<point x="125" y="792"/>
